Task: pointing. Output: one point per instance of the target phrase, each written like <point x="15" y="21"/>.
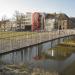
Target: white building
<point x="26" y="22"/>
<point x="50" y="21"/>
<point x="50" y="24"/>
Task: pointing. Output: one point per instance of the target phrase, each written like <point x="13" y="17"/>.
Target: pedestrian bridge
<point x="15" y="43"/>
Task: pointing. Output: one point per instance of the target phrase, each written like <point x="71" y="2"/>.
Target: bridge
<point x="9" y="44"/>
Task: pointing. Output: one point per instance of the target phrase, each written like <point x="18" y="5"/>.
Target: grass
<point x="14" y="35"/>
<point x="4" y="35"/>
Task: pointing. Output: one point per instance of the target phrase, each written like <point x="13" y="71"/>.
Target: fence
<point x="20" y="40"/>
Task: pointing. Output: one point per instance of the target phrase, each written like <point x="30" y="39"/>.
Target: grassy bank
<point x="14" y="34"/>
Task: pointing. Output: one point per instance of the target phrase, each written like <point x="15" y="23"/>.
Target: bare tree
<point x="3" y="22"/>
<point x="19" y="18"/>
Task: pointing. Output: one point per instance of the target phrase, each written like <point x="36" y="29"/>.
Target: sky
<point x="8" y="7"/>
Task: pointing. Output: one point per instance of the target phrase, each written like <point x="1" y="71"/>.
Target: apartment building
<point x="31" y="22"/>
<point x="38" y="21"/>
<point x="28" y="21"/>
<point x="25" y="22"/>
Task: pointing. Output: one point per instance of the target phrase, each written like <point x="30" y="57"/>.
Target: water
<point x="58" y="60"/>
<point x="24" y="55"/>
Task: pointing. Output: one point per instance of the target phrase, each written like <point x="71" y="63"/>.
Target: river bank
<point x="23" y="69"/>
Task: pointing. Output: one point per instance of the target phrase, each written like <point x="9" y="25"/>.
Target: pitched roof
<point x="62" y="16"/>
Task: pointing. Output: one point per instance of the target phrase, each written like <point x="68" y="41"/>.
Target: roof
<point x="62" y="16"/>
<point x="50" y="16"/>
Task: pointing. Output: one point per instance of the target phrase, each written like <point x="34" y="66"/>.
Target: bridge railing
<point x="8" y="44"/>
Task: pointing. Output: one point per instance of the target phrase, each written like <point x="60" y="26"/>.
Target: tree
<point x="19" y="19"/>
<point x="3" y="22"/>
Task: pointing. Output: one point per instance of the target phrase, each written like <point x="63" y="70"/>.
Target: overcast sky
<point x="8" y="7"/>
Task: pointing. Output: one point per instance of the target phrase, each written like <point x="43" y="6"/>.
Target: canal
<point x="58" y="60"/>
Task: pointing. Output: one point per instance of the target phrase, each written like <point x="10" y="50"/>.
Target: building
<point x="38" y="21"/>
<point x="58" y="22"/>
<point x="13" y="25"/>
<point x="28" y="21"/>
<point x="25" y="22"/>
<point x="42" y="21"/>
<point x="35" y="21"/>
<point x="63" y="21"/>
<point x="4" y="25"/>
<point x="50" y="21"/>
<point x="7" y="25"/>
<point x="72" y="22"/>
<point x="31" y="22"/>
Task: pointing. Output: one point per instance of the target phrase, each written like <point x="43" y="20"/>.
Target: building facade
<point x="50" y="21"/>
<point x="31" y="22"/>
<point x="63" y="21"/>
<point x="26" y="22"/>
<point x="38" y="20"/>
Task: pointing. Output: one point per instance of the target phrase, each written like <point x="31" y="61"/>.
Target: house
<point x="7" y="25"/>
<point x="63" y="21"/>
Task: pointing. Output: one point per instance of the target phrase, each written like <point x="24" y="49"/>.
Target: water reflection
<point x="59" y="54"/>
<point x="21" y="56"/>
<point x="58" y="60"/>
